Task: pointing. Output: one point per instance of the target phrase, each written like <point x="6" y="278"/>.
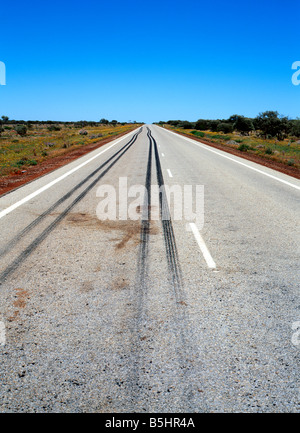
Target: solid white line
<point x="206" y="147"/>
<point x="53" y="182"/>
<point x="169" y="172"/>
<point x="206" y="254"/>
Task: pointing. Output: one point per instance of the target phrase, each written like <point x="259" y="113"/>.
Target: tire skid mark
<point x="136" y="378"/>
<point x="184" y="348"/>
<point x="145" y="224"/>
<point x="168" y="231"/>
<point x="40" y="238"/>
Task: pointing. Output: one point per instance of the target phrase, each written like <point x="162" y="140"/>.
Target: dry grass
<point x="286" y="151"/>
<point x="39" y="144"/>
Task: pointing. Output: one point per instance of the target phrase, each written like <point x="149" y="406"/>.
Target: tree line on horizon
<point x="21" y="126"/>
<point x="268" y="124"/>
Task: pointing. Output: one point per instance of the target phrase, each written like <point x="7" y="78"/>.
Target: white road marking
<point x="206" y="254"/>
<point x="2" y="334"/>
<point x="55" y="181"/>
<point x="206" y="147"/>
<point x="169" y="172"/>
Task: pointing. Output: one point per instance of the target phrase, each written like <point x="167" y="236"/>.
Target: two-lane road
<point x="151" y="315"/>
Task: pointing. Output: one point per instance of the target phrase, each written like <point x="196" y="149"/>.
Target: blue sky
<point x="148" y="61"/>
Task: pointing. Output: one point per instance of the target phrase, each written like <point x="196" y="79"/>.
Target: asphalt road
<point x="151" y="314"/>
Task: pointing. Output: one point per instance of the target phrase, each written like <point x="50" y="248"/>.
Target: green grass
<point x="198" y="133"/>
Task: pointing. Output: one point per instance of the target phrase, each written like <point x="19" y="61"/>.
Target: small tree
<point x="227" y="128"/>
<point x="202" y="125"/>
<point x="104" y="122"/>
<point x="295" y="127"/>
<point x="185" y="124"/>
<point x="243" y="124"/>
<point x="213" y="125"/>
<point x="269" y="123"/>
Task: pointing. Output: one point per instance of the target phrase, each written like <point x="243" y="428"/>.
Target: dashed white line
<point x="2" y="334"/>
<point x="206" y="254"/>
<point x="169" y="173"/>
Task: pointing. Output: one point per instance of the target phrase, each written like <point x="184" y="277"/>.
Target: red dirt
<point x="13" y="181"/>
<point x="275" y="165"/>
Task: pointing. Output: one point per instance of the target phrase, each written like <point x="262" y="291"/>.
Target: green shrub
<point x="53" y="128"/>
<point x="26" y="161"/>
<point x="21" y="130"/>
<point x="221" y="137"/>
<point x="243" y="147"/>
<point x="269" y="151"/>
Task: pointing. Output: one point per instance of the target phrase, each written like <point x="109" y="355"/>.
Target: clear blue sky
<point x="148" y="61"/>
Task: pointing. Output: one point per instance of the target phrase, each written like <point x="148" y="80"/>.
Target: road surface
<point x="151" y="314"/>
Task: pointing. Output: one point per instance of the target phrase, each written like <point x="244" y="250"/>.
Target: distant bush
<point x="227" y="128"/>
<point x="173" y="122"/>
<point x="21" y="130"/>
<point x="186" y="125"/>
<point x="269" y="151"/>
<point x="213" y="125"/>
<point x="202" y="124"/>
<point x="54" y="128"/>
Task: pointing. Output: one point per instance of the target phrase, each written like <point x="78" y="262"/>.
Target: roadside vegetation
<point x="28" y="143"/>
<point x="268" y="135"/>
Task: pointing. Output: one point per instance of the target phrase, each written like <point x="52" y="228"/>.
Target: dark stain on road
<point x="129" y="229"/>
